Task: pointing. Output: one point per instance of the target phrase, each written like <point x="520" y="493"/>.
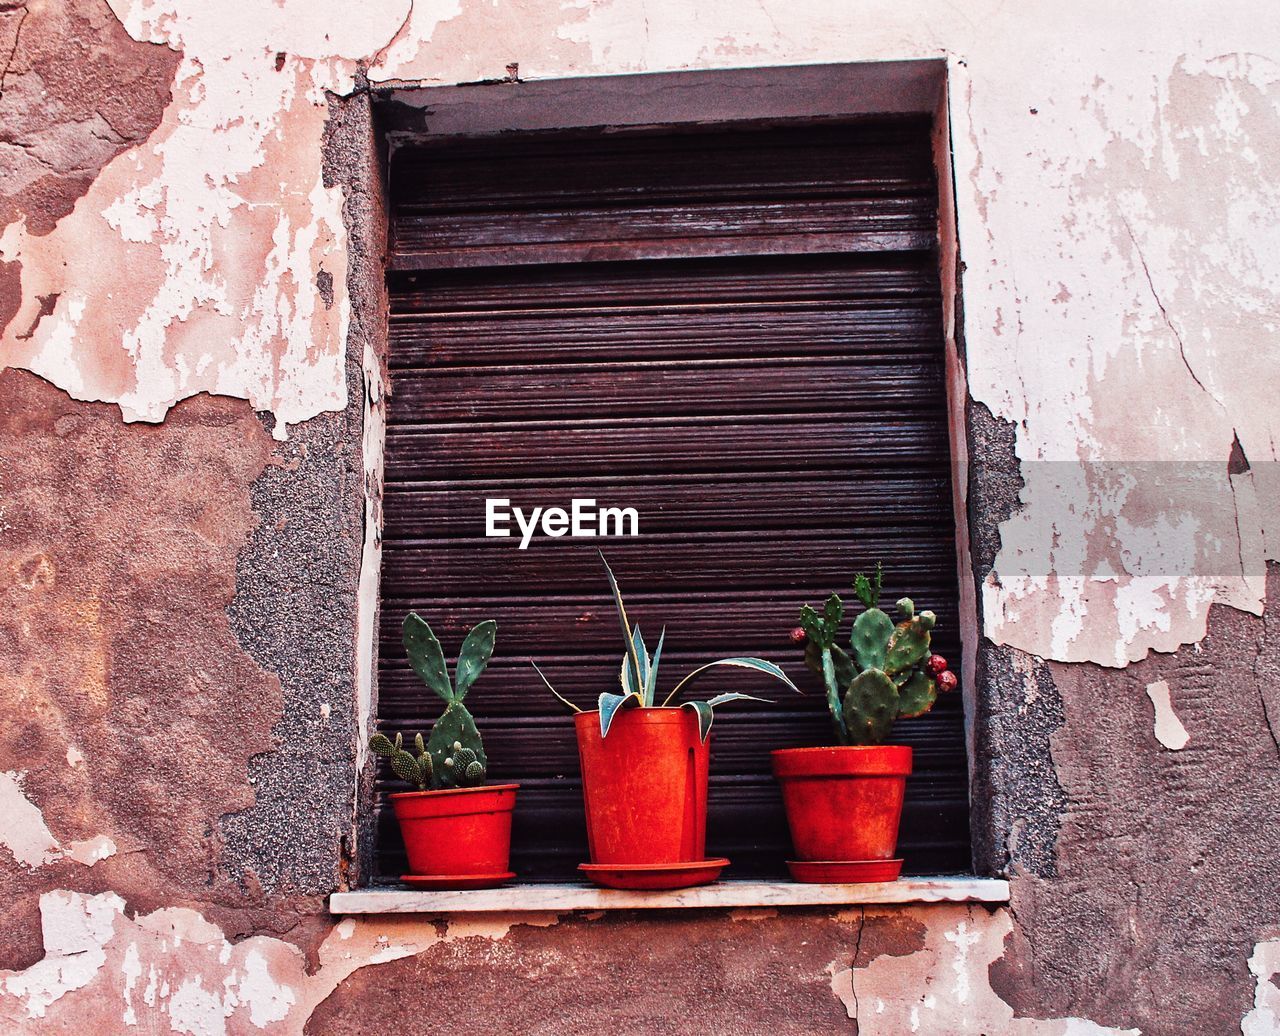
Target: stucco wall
<point x="189" y="437"/>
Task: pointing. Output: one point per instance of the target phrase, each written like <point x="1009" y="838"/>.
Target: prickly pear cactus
<point x="455" y="727"/>
<point x="453" y="756"/>
<point x="916" y="695"/>
<point x="415" y="770"/>
<point x="464" y="766"/>
<point x="890" y="673"/>
<point x="909" y="644"/>
<point x="870" y="640"/>
<point x="870" y="707"/>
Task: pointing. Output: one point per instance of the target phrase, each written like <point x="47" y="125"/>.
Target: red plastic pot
<point x="458" y="835"/>
<point x="843" y="803"/>
<point x="644" y="787"/>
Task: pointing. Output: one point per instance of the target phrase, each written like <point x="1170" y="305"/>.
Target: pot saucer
<point x="456" y="881"/>
<point x="654" y="875"/>
<point x="843" y="872"/>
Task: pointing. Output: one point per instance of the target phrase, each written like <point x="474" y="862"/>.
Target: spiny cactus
<point x="453" y="756"/>
<point x="466" y="768"/>
<point x="410" y="768"/>
<point x="890" y="674"/>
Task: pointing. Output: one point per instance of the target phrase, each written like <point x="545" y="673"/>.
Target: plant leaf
<point x="705" y="716"/>
<point x="832" y="613"/>
<point x="425" y="656"/>
<point x="722" y="699"/>
<point x="812" y="625"/>
<point x="476" y="651"/>
<point x="380" y="744"/>
<point x="917" y="694"/>
<point x="622" y="618"/>
<point x="759" y="664"/>
<point x="405" y="767"/>
<point x="609" y="706"/>
<point x="563" y="699"/>
<point x="642" y="657"/>
<point x="651" y="686"/>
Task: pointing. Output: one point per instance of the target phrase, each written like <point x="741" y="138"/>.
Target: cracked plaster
<point x="1116" y="219"/>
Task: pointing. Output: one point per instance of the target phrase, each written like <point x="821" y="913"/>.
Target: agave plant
<point x="639" y="676"/>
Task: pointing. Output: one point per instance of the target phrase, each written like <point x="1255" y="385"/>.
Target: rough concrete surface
<point x="190" y="237"/>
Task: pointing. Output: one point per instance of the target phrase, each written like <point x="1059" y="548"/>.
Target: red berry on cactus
<point x="947" y="681"/>
<point x="798" y="635"/>
<point x="936" y="664"/>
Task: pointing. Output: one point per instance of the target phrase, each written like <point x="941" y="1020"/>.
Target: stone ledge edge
<point x="724" y="894"/>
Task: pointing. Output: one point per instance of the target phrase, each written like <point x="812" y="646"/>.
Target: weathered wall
<point x="189" y="233"/>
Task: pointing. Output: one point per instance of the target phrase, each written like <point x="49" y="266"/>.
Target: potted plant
<point x="844" y="803"/>
<point x="456" y="829"/>
<point x="644" y="769"/>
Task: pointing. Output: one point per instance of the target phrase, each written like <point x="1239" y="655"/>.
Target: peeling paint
<point x="1117" y="212"/>
<point x="149" y="307"/>
<point x="1169" y="730"/>
<point x="944" y="987"/>
<point x="25" y="834"/>
<point x="197" y="980"/>
<point x="1264" y="966"/>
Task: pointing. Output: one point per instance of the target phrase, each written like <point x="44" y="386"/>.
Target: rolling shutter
<point x="736" y="332"/>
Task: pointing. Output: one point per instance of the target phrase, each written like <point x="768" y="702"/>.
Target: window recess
<point x="738" y="332"/>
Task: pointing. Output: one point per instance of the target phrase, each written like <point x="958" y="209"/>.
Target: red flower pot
<point x="843" y="806"/>
<point x="457" y="837"/>
<point x="644" y="788"/>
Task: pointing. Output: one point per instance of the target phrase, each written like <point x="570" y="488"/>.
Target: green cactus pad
<point x="870" y="707"/>
<point x="425" y="656"/>
<point x="455" y="726"/>
<point x="866" y="590"/>
<point x="476" y="651"/>
<point x="909" y="645"/>
<point x="870" y="639"/>
<point x="917" y="695"/>
<point x="404" y="767"/>
<point x="380" y="744"/>
<point x="832" y="613"/>
<point x="474" y="773"/>
<point x="845" y="669"/>
<point x="813" y="626"/>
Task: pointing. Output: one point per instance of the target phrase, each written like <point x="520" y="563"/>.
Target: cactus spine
<point x="888" y="673"/>
<point x="453" y="756"/>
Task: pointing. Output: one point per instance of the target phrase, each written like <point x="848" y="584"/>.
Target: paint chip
<point x="1169" y="730"/>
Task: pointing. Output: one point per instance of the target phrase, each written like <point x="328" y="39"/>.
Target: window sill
<point x="568" y="897"/>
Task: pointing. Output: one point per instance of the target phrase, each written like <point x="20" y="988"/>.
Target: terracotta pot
<point x="844" y="803"/>
<point x="458" y="833"/>
<point x="644" y="787"/>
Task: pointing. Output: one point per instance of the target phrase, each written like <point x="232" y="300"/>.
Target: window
<point x="738" y="332"/>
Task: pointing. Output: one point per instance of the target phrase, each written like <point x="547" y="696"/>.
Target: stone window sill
<point x="569" y="897"/>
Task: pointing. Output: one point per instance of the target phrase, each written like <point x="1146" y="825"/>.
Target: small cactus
<point x="466" y="768"/>
<point x="416" y="770"/>
<point x="453" y="756"/>
<point x="889" y="673"/>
